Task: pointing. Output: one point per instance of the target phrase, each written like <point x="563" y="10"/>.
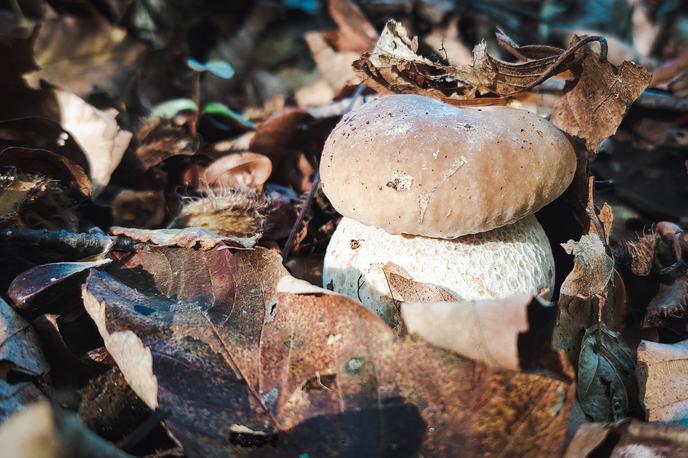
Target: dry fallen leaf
<point x="595" y="103"/>
<point x="317" y="369"/>
<point x="661" y="380"/>
<point x="189" y="237"/>
<point x="97" y="133"/>
<point x="489" y="331"/>
<point x="19" y="347"/>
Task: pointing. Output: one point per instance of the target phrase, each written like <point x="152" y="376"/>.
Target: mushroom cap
<point x="500" y="263"/>
<point x="414" y="165"/>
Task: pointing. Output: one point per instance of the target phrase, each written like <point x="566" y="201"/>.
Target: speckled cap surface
<point x="414" y="165"/>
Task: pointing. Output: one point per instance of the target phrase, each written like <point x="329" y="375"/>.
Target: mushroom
<point x="415" y="178"/>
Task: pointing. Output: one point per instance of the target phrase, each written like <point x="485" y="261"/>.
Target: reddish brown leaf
<point x="594" y="105"/>
<point x="189" y="237"/>
<point x="291" y="357"/>
<point x="355" y="33"/>
<point x="35" y="288"/>
<point x="160" y="139"/>
<point x="277" y="135"/>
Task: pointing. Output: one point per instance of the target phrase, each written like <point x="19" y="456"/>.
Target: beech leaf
<point x="284" y="357"/>
<point x="662" y="383"/>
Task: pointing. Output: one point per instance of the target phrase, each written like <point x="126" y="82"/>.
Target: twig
<point x="144" y="429"/>
<point x="314" y="188"/>
<point x="91" y="243"/>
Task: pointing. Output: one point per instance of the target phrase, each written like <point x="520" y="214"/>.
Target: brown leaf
<point x="46" y="430"/>
<point x="489" y="331"/>
<point x="661" y="380"/>
<point x="19" y="348"/>
<point x="276" y="136"/>
<point x="395" y="66"/>
<point x="628" y="438"/>
<point x="334" y="66"/>
<point x="81" y="55"/>
<point x="97" y="133"/>
<point x="642" y="254"/>
<point x="160" y="139"/>
<point x="592" y="272"/>
<point x="594" y="105"/>
<point x="355" y="33"/>
<point x="288" y="356"/>
<point x="35" y="288"/>
<point x="404" y="289"/>
<point x="188" y="237"/>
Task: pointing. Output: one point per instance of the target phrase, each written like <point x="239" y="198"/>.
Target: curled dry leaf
<point x="19" y="347"/>
<point x="606" y="384"/>
<point x="325" y="374"/>
<point x="662" y="384"/>
<point x="98" y="134"/>
<point x="581" y="291"/>
<point x="189" y="237"/>
<point x="46" y="430"/>
<point x="595" y="103"/>
<point x="628" y="439"/>
<point x="395" y="66"/>
<point x="35" y="288"/>
<point x="242" y="170"/>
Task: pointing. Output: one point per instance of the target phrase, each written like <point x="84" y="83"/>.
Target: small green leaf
<point x="170" y="108"/>
<point x="606" y="375"/>
<point x="220" y="68"/>
<point x="220" y="109"/>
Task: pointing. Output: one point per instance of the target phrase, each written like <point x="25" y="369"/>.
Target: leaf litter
<point x="139" y="233"/>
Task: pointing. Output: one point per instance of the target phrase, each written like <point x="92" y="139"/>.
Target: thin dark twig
<point x="94" y="242"/>
<point x="144" y="429"/>
<point x="314" y="188"/>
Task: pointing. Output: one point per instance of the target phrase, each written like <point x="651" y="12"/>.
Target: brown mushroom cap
<point x="413" y="165"/>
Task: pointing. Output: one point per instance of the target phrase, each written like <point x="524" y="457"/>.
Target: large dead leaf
<point x="48" y="431"/>
<point x="330" y="377"/>
<point x="189" y="237"/>
<point x="661" y="380"/>
<point x="594" y="105"/>
<point x="81" y="55"/>
<point x="491" y="331"/>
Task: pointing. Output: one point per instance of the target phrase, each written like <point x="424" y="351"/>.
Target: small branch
<point x="44" y="239"/>
<point x="311" y="192"/>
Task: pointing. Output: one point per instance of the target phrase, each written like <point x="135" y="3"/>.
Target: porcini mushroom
<point x="415" y="172"/>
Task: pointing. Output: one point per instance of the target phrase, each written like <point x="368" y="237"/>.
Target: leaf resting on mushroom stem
<point x="488" y="331"/>
<point x="325" y="373"/>
<point x="662" y="382"/>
